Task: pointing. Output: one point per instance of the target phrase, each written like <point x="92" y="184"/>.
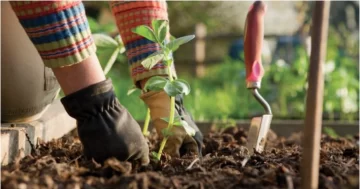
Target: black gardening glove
<point x="198" y="137"/>
<point x="105" y="127"/>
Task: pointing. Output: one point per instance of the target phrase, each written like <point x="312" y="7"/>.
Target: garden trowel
<point x="254" y="34"/>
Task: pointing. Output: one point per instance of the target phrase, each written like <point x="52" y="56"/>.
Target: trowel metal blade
<point x="258" y="130"/>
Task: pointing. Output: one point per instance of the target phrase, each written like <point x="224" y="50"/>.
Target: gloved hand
<point x="180" y="142"/>
<point x="105" y="127"/>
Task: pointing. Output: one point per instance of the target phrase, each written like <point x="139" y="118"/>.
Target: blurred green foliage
<point x="331" y="132"/>
<point x="122" y="83"/>
<point x="100" y="28"/>
<point x="222" y="94"/>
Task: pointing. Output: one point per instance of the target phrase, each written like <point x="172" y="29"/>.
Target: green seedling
<point x="108" y="50"/>
<point x="171" y="85"/>
<point x="146" y="123"/>
<point x="96" y="27"/>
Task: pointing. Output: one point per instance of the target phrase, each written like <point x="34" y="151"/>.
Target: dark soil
<point x="59" y="164"/>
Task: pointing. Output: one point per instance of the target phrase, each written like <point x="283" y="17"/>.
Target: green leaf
<point x="174" y="44"/>
<point x="182" y="86"/>
<point x="93" y="25"/>
<point x="170" y="89"/>
<point x="132" y="90"/>
<point x="168" y="62"/>
<point x="121" y="50"/>
<point x="107" y="51"/>
<point x="189" y="130"/>
<point x="108" y="28"/>
<point x="331" y="132"/>
<point x="168" y="58"/>
<point x="119" y="40"/>
<point x="156" y="83"/>
<point x="166" y="132"/>
<point x="153" y="59"/>
<point x="111" y="61"/>
<point x="177" y="120"/>
<point x="146" y="32"/>
<point x="172" y="38"/>
<point x="120" y="43"/>
<point x="166" y="119"/>
<point x="154" y="155"/>
<point x="176" y="87"/>
<point x="104" y="41"/>
<point x="161" y="28"/>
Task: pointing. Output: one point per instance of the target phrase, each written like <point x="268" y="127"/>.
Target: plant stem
<point x="170" y="71"/>
<point x="170" y="125"/>
<point x="162" y="145"/>
<point x="172" y="101"/>
<point x="146" y="124"/>
<point x="172" y="112"/>
<point x="171" y="118"/>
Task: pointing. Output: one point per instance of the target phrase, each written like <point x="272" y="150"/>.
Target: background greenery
<point x="222" y="94"/>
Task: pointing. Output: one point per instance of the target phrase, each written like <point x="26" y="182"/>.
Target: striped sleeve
<point x="58" y="29"/>
<point x="130" y="14"/>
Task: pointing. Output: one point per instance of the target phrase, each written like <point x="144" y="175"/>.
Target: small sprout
<point x="171" y="86"/>
<point x="146" y="32"/>
<point x="153" y="59"/>
<point x="155" y="155"/>
<point x="175" y="44"/>
<point x="161" y="28"/>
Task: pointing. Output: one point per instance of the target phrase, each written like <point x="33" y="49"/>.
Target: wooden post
<point x="314" y="100"/>
<point x="200" y="48"/>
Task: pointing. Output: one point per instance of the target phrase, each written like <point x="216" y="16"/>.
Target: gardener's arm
<point x="60" y="32"/>
<point x="129" y="15"/>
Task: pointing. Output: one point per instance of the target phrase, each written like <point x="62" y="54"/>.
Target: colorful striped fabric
<point x="58" y="29"/>
<point x="130" y="14"/>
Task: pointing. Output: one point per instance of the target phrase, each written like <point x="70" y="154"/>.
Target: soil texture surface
<point x="225" y="164"/>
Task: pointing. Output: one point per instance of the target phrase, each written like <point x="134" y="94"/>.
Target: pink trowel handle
<point x="254" y="35"/>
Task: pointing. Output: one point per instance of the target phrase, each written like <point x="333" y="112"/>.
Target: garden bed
<point x="59" y="164"/>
